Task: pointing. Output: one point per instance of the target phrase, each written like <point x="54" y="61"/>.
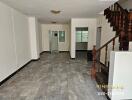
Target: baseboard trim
<point x="45" y="52"/>
<point x="82" y="50"/>
<point x="50" y="52"/>
<point x="35" y="59"/>
<point x="63" y="51"/>
<point x="6" y="79"/>
<point x="73" y="58"/>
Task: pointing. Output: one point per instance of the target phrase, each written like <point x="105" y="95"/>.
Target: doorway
<point x="54" y="41"/>
<point x="98" y="41"/>
<point x="81" y="42"/>
<point x="98" y="38"/>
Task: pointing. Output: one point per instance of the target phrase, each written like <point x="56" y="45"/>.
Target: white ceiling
<point x="122" y="1"/>
<point x="70" y="8"/>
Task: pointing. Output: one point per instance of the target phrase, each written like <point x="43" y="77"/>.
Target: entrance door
<point x="54" y="41"/>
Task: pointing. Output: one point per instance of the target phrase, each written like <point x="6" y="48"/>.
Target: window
<point x="82" y="34"/>
<point x="61" y="36"/>
<point x="78" y="36"/>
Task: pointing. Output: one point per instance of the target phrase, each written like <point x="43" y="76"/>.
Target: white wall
<point x="34" y="37"/>
<point x="84" y="22"/>
<point x="106" y="35"/>
<point x="107" y="30"/>
<point x="127" y="4"/>
<point x="14" y="40"/>
<point x="21" y="31"/>
<point x="40" y="37"/>
<point x="120" y="76"/>
<point x="7" y="48"/>
<point x="63" y="46"/>
<point x="37" y="36"/>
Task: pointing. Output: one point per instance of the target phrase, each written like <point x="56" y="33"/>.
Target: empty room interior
<point x="65" y="49"/>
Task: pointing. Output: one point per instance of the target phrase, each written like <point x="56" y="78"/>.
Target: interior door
<point x="54" y="41"/>
<point x="98" y="41"/>
<point x="98" y="38"/>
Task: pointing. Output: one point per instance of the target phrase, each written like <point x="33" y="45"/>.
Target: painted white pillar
<point x="73" y="42"/>
<point x="120" y="81"/>
<point x="34" y="38"/>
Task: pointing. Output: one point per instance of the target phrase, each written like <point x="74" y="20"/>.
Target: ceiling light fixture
<point x="55" y="11"/>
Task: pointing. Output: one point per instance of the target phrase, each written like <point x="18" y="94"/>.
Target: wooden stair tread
<point x="101" y="78"/>
<point x="105" y="69"/>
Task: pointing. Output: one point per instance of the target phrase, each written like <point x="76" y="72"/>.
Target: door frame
<point x="97" y="47"/>
<point x="98" y="28"/>
<point x="50" y="40"/>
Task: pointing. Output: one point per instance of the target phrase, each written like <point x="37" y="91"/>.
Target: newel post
<point x="93" y="70"/>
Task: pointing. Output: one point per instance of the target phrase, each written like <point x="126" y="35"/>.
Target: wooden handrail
<point x="94" y="53"/>
<point x="113" y="39"/>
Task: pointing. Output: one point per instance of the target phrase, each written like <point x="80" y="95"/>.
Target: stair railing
<point x="120" y="20"/>
<point x="118" y="17"/>
<point x="96" y="53"/>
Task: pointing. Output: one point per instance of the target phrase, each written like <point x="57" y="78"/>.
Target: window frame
<point x="62" y="38"/>
<point x="82" y="29"/>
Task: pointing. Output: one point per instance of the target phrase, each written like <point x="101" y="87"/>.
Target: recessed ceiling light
<point x="55" y="11"/>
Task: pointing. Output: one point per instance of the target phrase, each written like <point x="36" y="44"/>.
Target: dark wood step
<point x="102" y="81"/>
<point x="105" y="70"/>
<point x="101" y="78"/>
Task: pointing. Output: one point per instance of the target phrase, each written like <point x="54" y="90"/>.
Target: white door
<point x="54" y="41"/>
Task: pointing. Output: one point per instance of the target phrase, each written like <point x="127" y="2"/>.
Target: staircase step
<point x="102" y="81"/>
<point x="105" y="70"/>
<point x="101" y="78"/>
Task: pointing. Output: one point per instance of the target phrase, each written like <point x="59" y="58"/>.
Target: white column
<point x="120" y="76"/>
<point x="73" y="41"/>
<point x="34" y="39"/>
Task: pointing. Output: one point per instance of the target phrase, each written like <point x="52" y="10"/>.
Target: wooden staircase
<point x="121" y="21"/>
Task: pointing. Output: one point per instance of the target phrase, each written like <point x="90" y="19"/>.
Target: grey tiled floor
<point x="53" y="77"/>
